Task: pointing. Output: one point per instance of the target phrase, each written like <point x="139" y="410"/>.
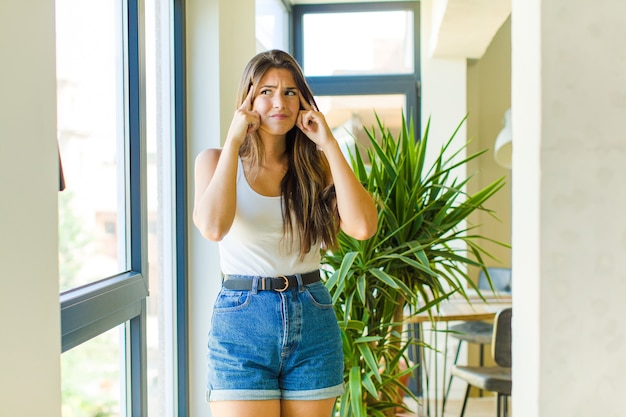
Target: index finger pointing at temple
<point x="247" y="102"/>
<point x="305" y="104"/>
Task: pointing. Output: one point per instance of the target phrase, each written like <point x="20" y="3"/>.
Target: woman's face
<point x="277" y="101"/>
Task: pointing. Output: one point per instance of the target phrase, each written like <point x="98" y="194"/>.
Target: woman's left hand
<point x="313" y="124"/>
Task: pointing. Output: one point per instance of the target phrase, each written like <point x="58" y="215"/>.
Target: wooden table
<point x="456" y="308"/>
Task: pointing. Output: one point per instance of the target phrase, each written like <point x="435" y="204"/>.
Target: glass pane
<point x="349" y="116"/>
<point x="160" y="319"/>
<point x="271" y="25"/>
<point x="90" y="133"/>
<point x="93" y="377"/>
<point x="358" y="43"/>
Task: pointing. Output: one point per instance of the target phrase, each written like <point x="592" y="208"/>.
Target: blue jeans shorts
<point x="274" y="345"/>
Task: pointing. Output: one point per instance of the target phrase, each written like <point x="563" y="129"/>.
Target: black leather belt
<point x="279" y="283"/>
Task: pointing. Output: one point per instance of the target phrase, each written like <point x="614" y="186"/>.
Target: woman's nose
<point x="278" y="101"/>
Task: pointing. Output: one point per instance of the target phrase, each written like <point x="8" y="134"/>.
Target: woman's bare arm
<point x="215" y="174"/>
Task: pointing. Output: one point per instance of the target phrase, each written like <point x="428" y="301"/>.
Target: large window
<point x="358" y="42"/>
<point x="361" y="60"/>
<point x="91" y="134"/>
<point x="121" y="225"/>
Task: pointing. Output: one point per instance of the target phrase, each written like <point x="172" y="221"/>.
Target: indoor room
<point x="107" y="286"/>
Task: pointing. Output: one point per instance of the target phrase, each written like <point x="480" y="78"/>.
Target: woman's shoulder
<point x="206" y="161"/>
<point x="208" y="157"/>
<point x="209" y="153"/>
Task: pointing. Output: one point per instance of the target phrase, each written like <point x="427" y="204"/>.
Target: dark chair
<point x="493" y="378"/>
<point x="479" y="332"/>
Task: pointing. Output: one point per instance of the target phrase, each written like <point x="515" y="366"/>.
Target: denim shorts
<point x="274" y="345"/>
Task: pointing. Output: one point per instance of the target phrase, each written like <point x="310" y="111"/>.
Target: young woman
<point x="278" y="191"/>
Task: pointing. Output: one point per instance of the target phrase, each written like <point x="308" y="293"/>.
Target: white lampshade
<point x="503" y="149"/>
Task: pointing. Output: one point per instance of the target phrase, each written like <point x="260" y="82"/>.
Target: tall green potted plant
<point x="410" y="265"/>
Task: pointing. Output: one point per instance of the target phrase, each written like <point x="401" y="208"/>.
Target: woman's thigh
<point x="247" y="408"/>
<point x="273" y="408"/>
<point x="308" y="408"/>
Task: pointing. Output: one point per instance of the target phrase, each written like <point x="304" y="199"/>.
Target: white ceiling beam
<point x="465" y="28"/>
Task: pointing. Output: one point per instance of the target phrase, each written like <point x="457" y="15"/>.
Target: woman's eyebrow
<point x="273" y="86"/>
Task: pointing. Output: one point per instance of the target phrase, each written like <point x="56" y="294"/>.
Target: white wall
<point x="220" y="41"/>
<point x="569" y="200"/>
<point x="444" y="98"/>
<point x="29" y="293"/>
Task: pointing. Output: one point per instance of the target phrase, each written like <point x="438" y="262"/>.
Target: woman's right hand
<point x="245" y="120"/>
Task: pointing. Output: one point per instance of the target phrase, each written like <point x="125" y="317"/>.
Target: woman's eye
<point x="265" y="92"/>
<point x="290" y="93"/>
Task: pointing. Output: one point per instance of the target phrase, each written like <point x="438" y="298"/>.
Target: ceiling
<point x="465" y="28"/>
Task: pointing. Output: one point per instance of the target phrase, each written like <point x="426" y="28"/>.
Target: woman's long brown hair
<point x="309" y="206"/>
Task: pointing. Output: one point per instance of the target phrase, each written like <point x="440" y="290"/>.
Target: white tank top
<point x="255" y="244"/>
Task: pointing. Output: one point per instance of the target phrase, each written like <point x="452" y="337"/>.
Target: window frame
<point x="181" y="195"/>
<point x="338" y="85"/>
<point x="90" y="310"/>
